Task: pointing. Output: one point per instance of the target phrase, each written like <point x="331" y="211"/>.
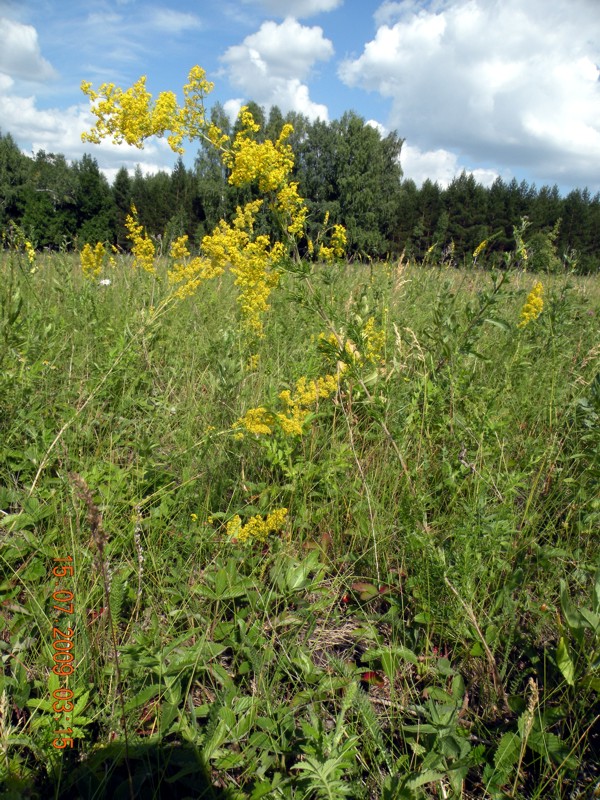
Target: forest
<point x="345" y="168"/>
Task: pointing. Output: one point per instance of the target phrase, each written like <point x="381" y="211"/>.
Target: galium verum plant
<point x="133" y="115"/>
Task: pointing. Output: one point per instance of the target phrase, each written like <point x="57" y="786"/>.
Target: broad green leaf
<point x="565" y="662"/>
<point x="436" y="693"/>
<point x="591" y="618"/>
<point x="423" y="617"/>
<point x="444" y="667"/>
<point x="553" y="749"/>
<point x="399" y="652"/>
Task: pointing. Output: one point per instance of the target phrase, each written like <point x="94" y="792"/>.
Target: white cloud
<point x="440" y="166"/>
<point x="232" y="108"/>
<point x="59" y="131"/>
<point x="512" y="82"/>
<point x="20" y="55"/>
<point x="173" y="22"/>
<point x="391" y="11"/>
<point x="378" y="126"/>
<point x="6" y="82"/>
<point x="285" y="50"/>
<point x="271" y="64"/>
<point x="298" y="8"/>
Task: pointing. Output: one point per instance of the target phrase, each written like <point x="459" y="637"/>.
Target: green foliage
<point x="426" y="623"/>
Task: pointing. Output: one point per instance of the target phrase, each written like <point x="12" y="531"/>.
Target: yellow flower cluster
<point x="251" y="259"/>
<point x="292" y="209"/>
<point x="92" y="260"/>
<point x="374" y="340"/>
<point x="188" y="272"/>
<point x="260" y="421"/>
<point x="534" y="305"/>
<point x="337" y="244"/>
<point x="16" y="238"/>
<point x="479" y="249"/>
<point x="30" y="250"/>
<point x="257" y="420"/>
<point x="256" y="528"/>
<point x="266" y="163"/>
<point x="253" y="362"/>
<point x="143" y="247"/>
<point x="132" y="116"/>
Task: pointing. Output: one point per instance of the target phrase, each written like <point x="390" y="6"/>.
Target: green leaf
<point x="423" y="617"/>
<point x="553" y="749"/>
<point x="591" y="618"/>
<point x="571" y="614"/>
<point x="499" y="323"/>
<point x="437" y="693"/>
<point x="399" y="652"/>
<point x="592" y="682"/>
<point x="565" y="662"/>
<point x="491" y="634"/>
<point x="596" y="598"/>
<point x="367" y="590"/>
<point x="429" y="776"/>
<point x="143" y="696"/>
<point x="444" y="667"/>
<point x="507" y="752"/>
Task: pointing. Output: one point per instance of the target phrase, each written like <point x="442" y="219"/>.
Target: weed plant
<point x="342" y="543"/>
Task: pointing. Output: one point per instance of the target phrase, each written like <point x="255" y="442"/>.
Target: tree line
<point x="345" y="168"/>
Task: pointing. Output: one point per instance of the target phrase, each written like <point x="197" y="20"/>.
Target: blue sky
<point x="496" y="87"/>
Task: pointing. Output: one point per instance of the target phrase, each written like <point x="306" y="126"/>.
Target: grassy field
<point x="424" y="619"/>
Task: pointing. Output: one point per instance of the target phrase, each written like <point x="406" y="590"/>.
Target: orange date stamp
<point x="63" y="656"/>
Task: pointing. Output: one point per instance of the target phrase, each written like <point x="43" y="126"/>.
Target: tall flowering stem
<point x="133" y="115"/>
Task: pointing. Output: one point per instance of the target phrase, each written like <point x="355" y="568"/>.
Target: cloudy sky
<point x="496" y="87"/>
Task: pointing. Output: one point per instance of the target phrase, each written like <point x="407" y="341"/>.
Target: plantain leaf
<point x="565" y="662"/>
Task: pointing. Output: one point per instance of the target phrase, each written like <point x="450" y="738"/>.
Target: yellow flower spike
<point x="234" y="527"/>
<point x="534" y="305"/>
<point x="142" y="247"/>
<point x="374" y="341"/>
<point x="92" y="260"/>
<point x="339" y="241"/>
<point x="30" y="250"/>
<point x="480" y="248"/>
<point x="178" y="250"/>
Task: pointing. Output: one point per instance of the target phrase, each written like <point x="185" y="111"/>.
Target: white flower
<point x="105" y="282"/>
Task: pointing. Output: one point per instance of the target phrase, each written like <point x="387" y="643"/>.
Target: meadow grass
<point x="426" y="622"/>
